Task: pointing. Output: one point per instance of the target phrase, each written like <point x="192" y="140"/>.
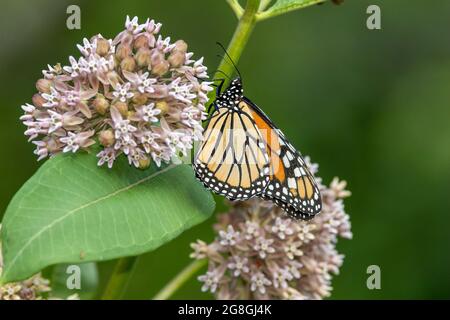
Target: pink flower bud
<point x="106" y="138"/>
<point x="43" y="85"/>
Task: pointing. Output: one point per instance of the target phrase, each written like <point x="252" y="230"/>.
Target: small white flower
<point x="294" y="269"/>
<point x="313" y="167"/>
<point x="202" y="91"/>
<point x="142" y="82"/>
<point x="122" y="128"/>
<point x="263" y="247"/>
<point x="72" y="97"/>
<point x="181" y="92"/>
<point x="339" y="188"/>
<point x="149" y="113"/>
<point x="259" y="282"/>
<point x="251" y="230"/>
<point x="94" y="64"/>
<point x="148" y="140"/>
<point x="35" y="128"/>
<point x="176" y="139"/>
<point x="281" y="228"/>
<point x="52" y="98"/>
<point x="210" y="281"/>
<point x="200" y="250"/>
<point x="281" y="278"/>
<point x="304" y="231"/>
<point x="179" y="140"/>
<point x="50" y="73"/>
<point x="70" y="142"/>
<point x="145" y="83"/>
<point x="122" y="92"/>
<point x="200" y="69"/>
<point x="54" y="122"/>
<point x="125" y="143"/>
<point x="73" y="141"/>
<point x="188" y="58"/>
<point x="229" y="237"/>
<point x="87" y="47"/>
<point x="29" y="108"/>
<point x="41" y="149"/>
<point x="135" y="155"/>
<point x="190" y="116"/>
<point x="107" y="155"/>
<point x="104" y="65"/>
<point x="133" y="25"/>
<point x="292" y="250"/>
<point x="152" y="27"/>
<point x="239" y="265"/>
<point x="74" y="69"/>
<point x="161" y="154"/>
<point x="28" y="115"/>
<point x="164" y="44"/>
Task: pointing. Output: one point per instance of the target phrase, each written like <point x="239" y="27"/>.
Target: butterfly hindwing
<point x="291" y="185"/>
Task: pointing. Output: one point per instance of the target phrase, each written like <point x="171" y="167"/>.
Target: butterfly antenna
<point x="229" y="58"/>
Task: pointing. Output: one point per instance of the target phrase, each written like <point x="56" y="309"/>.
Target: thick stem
<point x="180" y="279"/>
<point x="240" y="38"/>
<point x="119" y="279"/>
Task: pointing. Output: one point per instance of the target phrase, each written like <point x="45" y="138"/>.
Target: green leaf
<point x="73" y="211"/>
<point x="62" y="273"/>
<point x="284" y="6"/>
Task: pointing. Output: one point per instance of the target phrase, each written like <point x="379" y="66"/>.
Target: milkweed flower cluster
<point x="34" y="288"/>
<point x="260" y="253"/>
<point x="31" y="289"/>
<point x="138" y="94"/>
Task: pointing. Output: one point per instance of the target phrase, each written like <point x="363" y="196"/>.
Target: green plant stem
<point x="236" y="7"/>
<point x="263" y="5"/>
<point x="180" y="279"/>
<point x="119" y="279"/>
<point x="240" y="37"/>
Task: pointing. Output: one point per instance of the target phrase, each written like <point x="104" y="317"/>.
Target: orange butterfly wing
<point x="291" y="185"/>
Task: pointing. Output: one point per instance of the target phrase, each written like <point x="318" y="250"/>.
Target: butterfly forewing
<point x="232" y="159"/>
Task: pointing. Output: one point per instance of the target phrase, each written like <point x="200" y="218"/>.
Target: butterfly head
<point x="232" y="95"/>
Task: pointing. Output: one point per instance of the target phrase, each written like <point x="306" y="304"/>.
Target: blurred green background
<point x="372" y="107"/>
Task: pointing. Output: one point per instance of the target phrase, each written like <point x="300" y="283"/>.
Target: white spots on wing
<point x="286" y="162"/>
<point x="291" y="183"/>
<point x="289" y="155"/>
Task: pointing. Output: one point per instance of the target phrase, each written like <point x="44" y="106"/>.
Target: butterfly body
<point x="244" y="155"/>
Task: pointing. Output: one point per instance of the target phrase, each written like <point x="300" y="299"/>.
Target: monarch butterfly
<point x="244" y="155"/>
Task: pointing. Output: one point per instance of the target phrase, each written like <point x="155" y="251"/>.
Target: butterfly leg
<point x="209" y="109"/>
<point x="218" y="86"/>
<point x="218" y="90"/>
